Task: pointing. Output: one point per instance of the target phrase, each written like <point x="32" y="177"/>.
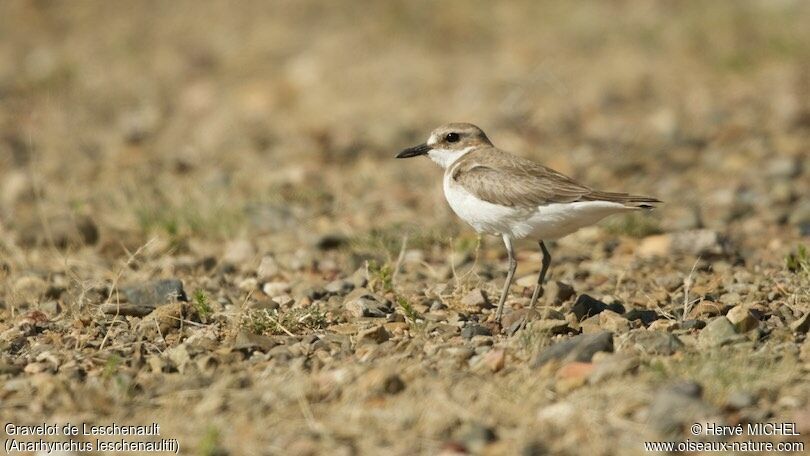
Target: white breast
<point x="483" y="216"/>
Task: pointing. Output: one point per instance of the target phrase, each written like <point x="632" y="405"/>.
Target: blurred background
<point x="213" y="120"/>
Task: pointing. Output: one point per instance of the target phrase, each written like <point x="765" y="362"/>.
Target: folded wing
<point x="517" y="182"/>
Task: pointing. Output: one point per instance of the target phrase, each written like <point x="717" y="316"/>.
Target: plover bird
<point x="503" y="194"/>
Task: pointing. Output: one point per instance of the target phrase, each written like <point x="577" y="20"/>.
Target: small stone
<point x="381" y="381"/>
<point x="276" y="289"/>
<point x="268" y="268"/>
<point x="558" y="292"/>
<point x="579" y="348"/>
<point x="474" y="329"/>
<point x="362" y="303"/>
<point x="613" y="365"/>
<point x="437" y="305"/>
<point x="476" y="299"/>
<point x="656" y="342"/>
<point x="155" y="293"/>
<point x="512" y="320"/>
<point x="359" y="278"/>
<point x="693" y="324"/>
<point x="586" y="306"/>
<point x="166" y="318"/>
<point x="576" y="371"/>
<point x="339" y="287"/>
<point x="495" y="359"/>
<point x="377" y="334"/>
<point x="730" y="299"/>
<point x="552" y="327"/>
<point x="742" y="318"/>
<point x="127" y="309"/>
<point x="331" y="241"/>
<point x="612" y="321"/>
<point x="52" y="308"/>
<point x="707" y="309"/>
<point x="663" y="324"/>
<point x="559" y="414"/>
<point x="700" y="242"/>
<point x="248" y="284"/>
<point x="645" y="315"/>
<point x="249" y="341"/>
<point x="718" y="332"/>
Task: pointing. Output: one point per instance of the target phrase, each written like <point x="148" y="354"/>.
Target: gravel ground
<point x="202" y="224"/>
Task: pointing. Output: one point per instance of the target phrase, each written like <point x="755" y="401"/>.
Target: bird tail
<point x="631" y="201"/>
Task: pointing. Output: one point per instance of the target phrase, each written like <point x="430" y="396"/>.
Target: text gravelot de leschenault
<point x="71" y="430"/>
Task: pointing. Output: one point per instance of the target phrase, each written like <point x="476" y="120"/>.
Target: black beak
<point x="421" y="149"/>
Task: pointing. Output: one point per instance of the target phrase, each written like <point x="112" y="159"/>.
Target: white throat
<point x="445" y="157"/>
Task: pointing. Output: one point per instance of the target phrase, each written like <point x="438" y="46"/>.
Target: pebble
<point x="377" y="334"/>
<point x="663" y="324"/>
<point x="164" y="319"/>
<point x="613" y="365"/>
<point x="559" y="414"/>
<point x="586" y="306"/>
<point x="476" y="299"/>
<point x="381" y="381"/>
<point x="471" y="330"/>
<point x="248" y="284"/>
<point x="495" y="359"/>
<point x="552" y="327"/>
<point x="276" y="289"/>
<point x="743" y="318"/>
<point x="612" y="321"/>
<point x="268" y="268"/>
<point x="155" y="293"/>
<point x="574" y="374"/>
<point x="578" y="348"/>
<point x="559" y="292"/>
<point x="249" y="341"/>
<point x="718" y="332"/>
<point x="646" y="316"/>
<point x="707" y="309"/>
<point x="701" y="242"/>
<point x="331" y="241"/>
<point x="656" y="342"/>
<point x="362" y="303"/>
<point x="339" y="287"/>
<point x="693" y="324"/>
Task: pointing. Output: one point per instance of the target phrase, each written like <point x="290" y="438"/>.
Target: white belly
<point x="547" y="222"/>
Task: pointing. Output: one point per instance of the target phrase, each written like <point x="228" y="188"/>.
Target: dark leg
<point x="512" y="265"/>
<point x="538" y="290"/>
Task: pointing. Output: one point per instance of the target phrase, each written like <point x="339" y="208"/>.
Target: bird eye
<point x="451" y="137"/>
